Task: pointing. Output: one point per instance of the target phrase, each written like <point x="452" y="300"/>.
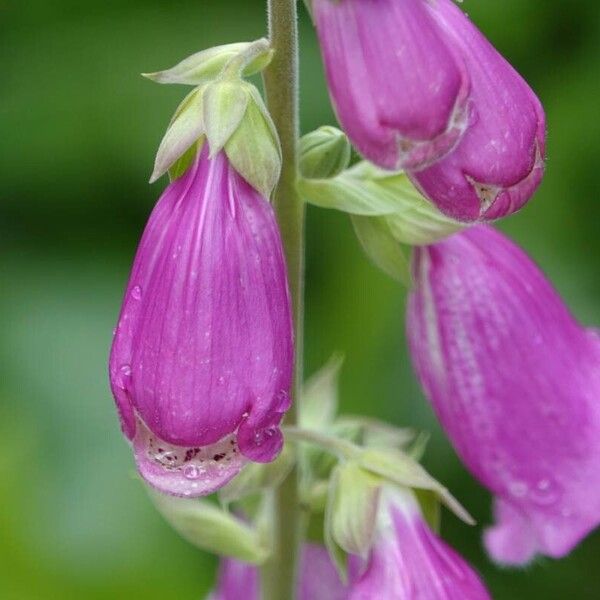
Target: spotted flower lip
<point x="515" y="381"/>
<point x="409" y="561"/>
<point x="399" y="90"/>
<point x="318" y="579"/>
<point x="202" y="356"/>
<point x="499" y="162"/>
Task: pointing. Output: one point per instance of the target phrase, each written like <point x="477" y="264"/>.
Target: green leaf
<point x="379" y="244"/>
<point x="349" y="194"/>
<point x="210" y="528"/>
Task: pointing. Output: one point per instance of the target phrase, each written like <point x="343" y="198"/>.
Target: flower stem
<point x="278" y="575"/>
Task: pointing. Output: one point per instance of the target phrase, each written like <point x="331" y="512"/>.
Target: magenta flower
<point x="201" y="361"/>
<point x="499" y="162"/>
<point x="398" y="89"/>
<point x="515" y="381"/>
<point x="318" y="579"/>
<point x="409" y="561"/>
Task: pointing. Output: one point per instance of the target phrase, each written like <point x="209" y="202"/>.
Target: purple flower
<point x="397" y="87"/>
<point x="318" y="579"/>
<point x="409" y="561"/>
<point x="201" y="361"/>
<point x="515" y="381"/>
<point x="499" y="162"/>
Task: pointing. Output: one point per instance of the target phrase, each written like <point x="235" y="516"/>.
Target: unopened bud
<point x="324" y="153"/>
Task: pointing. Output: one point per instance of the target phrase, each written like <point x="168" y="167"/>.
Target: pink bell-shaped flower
<point x="398" y="88"/>
<point x="201" y="362"/>
<point x="499" y="162"/>
<point x="515" y="381"/>
<point x="410" y="562"/>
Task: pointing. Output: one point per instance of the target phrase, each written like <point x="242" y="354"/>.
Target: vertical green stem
<point x="281" y="86"/>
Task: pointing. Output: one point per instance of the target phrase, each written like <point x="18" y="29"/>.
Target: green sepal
<point x="324" y="153"/>
<point x="353" y="504"/>
<point x="211" y="528"/>
<point x="338" y="556"/>
<point x="253" y="149"/>
<point x="185" y="129"/>
<point x="203" y="66"/>
<point x="319" y="399"/>
<point x="371" y="432"/>
<point x="430" y="508"/>
<point x="382" y="248"/>
<point x="256" y="477"/>
<point x="401" y="469"/>
<point x="224" y="105"/>
<point x="184" y="162"/>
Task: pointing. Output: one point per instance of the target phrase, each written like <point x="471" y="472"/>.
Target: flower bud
<point x="324" y="153"/>
<point x="397" y="87"/>
<point x="201" y="361"/>
<point x="317" y="580"/>
<point x="408" y="560"/>
<point x="499" y="162"/>
<point x="515" y="381"/>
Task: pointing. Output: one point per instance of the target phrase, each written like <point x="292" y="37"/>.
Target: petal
<point x="499" y="162"/>
<point x="514" y="380"/>
<point x="398" y="89"/>
<point x="186" y="471"/>
<point x="409" y="561"/>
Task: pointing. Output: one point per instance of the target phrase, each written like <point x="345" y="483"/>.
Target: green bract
<point x="210" y="528"/>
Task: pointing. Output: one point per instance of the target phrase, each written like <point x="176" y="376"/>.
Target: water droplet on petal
<point x="191" y="472"/>
<point x="545" y="493"/>
<point x="518" y="488"/>
<point x="126" y="370"/>
<point x="136" y="292"/>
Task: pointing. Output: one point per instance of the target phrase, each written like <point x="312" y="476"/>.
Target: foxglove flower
<point x="318" y="578"/>
<point x="515" y="382"/>
<point x="499" y="162"/>
<point x="201" y="360"/>
<point x="409" y="561"/>
<point x="398" y="88"/>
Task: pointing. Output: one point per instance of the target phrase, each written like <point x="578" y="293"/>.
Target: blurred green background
<point x="78" y="129"/>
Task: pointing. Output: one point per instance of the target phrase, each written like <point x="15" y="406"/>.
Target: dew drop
<point x="126" y="370"/>
<point x="136" y="292"/>
<point x="283" y="400"/>
<point x="518" y="488"/>
<point x="544" y="494"/>
<point x="191" y="472"/>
